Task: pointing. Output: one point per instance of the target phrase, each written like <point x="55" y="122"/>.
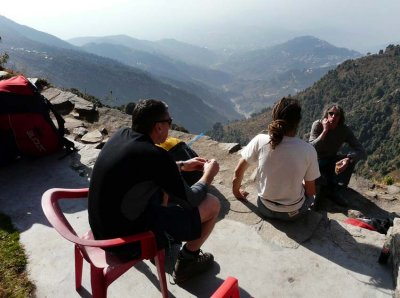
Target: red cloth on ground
<point x="359" y="223"/>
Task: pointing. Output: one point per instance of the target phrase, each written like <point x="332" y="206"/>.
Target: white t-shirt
<point x="281" y="171"/>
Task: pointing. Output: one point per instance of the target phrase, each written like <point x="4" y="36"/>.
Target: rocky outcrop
<point x="82" y="117"/>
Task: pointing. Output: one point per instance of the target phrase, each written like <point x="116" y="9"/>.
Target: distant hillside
<point x="13" y="31"/>
<point x="305" y="52"/>
<point x="201" y="81"/>
<point x="268" y="74"/>
<point x="369" y="91"/>
<point x="252" y="96"/>
<point x="215" y="98"/>
<point x="112" y="82"/>
<point x="167" y="47"/>
<point x="241" y="131"/>
<point x="157" y="64"/>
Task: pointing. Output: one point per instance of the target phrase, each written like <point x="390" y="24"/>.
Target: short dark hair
<point x="146" y="113"/>
<point x="338" y="107"/>
<point x="129" y="108"/>
<point x="286" y="115"/>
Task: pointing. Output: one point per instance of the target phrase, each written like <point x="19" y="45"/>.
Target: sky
<point x="354" y="24"/>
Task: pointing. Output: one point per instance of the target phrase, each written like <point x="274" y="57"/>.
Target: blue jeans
<point x="286" y="216"/>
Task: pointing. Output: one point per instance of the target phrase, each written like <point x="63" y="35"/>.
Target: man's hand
<point x="194" y="164"/>
<point x="342" y="165"/>
<point x="211" y="168"/>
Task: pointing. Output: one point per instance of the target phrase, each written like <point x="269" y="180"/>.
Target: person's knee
<point x="209" y="207"/>
<point x="213" y="203"/>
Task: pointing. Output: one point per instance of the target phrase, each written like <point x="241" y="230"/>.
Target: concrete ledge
<point x="395" y="251"/>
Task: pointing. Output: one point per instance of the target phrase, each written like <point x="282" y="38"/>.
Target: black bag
<point x="181" y="152"/>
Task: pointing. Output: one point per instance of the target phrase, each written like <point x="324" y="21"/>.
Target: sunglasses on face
<point x="333" y="113"/>
<point x="169" y="121"/>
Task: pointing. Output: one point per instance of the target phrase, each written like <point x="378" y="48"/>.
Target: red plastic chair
<point x="104" y="267"/>
<point x="228" y="289"/>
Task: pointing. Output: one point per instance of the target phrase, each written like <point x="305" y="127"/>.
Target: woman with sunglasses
<point x="327" y="136"/>
<point x="286" y="166"/>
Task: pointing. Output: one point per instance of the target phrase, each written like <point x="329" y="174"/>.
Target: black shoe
<point x="186" y="268"/>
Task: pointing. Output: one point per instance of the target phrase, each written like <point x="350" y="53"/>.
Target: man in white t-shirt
<point x="287" y="166"/>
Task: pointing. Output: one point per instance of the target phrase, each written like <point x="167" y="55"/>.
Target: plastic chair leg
<point x="97" y="280"/>
<point x="160" y="264"/>
<point x="78" y="268"/>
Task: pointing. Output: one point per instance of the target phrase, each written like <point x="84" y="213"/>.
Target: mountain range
<point x="253" y="79"/>
<point x="201" y="86"/>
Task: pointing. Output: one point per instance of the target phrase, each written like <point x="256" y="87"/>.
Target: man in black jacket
<point x="136" y="186"/>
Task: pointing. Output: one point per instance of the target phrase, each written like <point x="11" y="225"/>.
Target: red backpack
<point x="26" y="127"/>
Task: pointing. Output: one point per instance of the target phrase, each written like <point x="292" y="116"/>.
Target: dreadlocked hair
<point x="286" y="115"/>
<point x="276" y="130"/>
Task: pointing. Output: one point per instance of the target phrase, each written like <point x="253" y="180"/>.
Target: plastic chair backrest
<point x="87" y="245"/>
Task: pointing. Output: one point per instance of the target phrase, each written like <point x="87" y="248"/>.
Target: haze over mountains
<point x="168" y="48"/>
<point x="201" y="86"/>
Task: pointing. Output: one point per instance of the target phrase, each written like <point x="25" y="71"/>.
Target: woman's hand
<point x="237" y="189"/>
<point x="326" y="125"/>
<point x="240" y="193"/>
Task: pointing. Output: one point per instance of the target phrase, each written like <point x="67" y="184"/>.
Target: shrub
<point x="3" y="59"/>
<point x="388" y="180"/>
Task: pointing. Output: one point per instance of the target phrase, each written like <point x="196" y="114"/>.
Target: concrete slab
<point x="318" y="258"/>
